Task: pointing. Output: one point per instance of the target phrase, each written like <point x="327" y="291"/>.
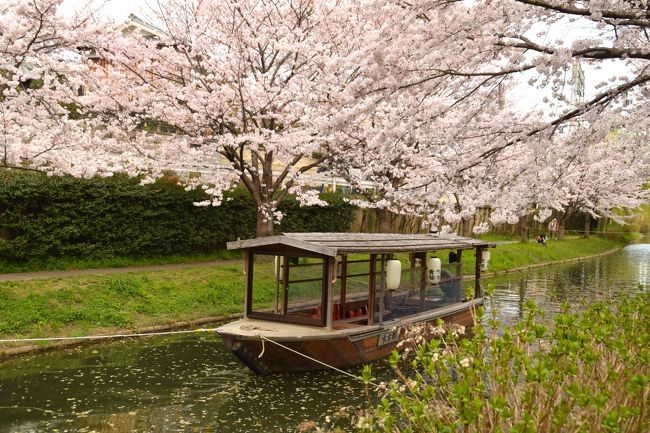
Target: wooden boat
<point x="341" y="299"/>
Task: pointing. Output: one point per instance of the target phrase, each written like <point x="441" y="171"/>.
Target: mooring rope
<point x="150" y="334"/>
<point x="100" y="337"/>
<point x="263" y="338"/>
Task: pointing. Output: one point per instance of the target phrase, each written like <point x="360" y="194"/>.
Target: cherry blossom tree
<point x="465" y="54"/>
<point x="238" y="83"/>
<point x="40" y="126"/>
<point x="415" y="97"/>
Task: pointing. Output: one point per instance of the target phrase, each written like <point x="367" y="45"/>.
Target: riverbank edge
<point x="188" y="324"/>
<point x="31" y="349"/>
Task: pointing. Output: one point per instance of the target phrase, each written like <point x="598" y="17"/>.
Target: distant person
<point x="541" y="239"/>
<point x="553" y="227"/>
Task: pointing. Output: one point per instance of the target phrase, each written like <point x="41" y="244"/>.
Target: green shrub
<point x="45" y="217"/>
<point x="588" y="372"/>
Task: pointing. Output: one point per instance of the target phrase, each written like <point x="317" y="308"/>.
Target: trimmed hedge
<point x="43" y="217"/>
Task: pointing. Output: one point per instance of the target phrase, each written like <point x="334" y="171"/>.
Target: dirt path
<point x="23" y="276"/>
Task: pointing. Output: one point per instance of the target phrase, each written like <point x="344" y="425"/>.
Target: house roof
<point x="332" y="244"/>
<point x="147" y="30"/>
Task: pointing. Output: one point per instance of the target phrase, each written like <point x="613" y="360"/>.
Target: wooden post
<point x="382" y="287"/>
<point x="278" y="272"/>
<point x="477" y="274"/>
<point x="423" y="278"/>
<point x="285" y="286"/>
<point x="328" y="309"/>
<point x="344" y="284"/>
<point x="372" y="282"/>
<point x="459" y="275"/>
<point x="248" y="281"/>
<point x="412" y="261"/>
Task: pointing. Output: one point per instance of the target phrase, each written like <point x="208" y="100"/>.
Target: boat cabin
<point x="343" y="280"/>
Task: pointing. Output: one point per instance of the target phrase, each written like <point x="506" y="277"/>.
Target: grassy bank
<point x="68" y="264"/>
<point x="100" y="304"/>
<point x="512" y="256"/>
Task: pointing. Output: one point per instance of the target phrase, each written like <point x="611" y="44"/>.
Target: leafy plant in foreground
<point x="587" y="372"/>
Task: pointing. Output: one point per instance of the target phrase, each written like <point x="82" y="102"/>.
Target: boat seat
<point x="343" y="325"/>
<point x="353" y="319"/>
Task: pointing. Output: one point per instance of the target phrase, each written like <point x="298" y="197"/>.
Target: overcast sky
<point x="116" y="9"/>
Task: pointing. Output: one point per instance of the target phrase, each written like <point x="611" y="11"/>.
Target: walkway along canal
<point x="192" y="383"/>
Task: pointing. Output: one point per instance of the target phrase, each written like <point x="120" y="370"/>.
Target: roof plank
<point x="331" y="244"/>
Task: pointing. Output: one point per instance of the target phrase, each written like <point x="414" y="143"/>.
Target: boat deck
<point x="256" y="328"/>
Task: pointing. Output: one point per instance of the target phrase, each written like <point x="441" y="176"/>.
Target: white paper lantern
<point x="393" y="274"/>
<point x="485" y="260"/>
<point x="433" y="270"/>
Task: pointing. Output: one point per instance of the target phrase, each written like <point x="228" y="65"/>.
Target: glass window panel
<point x="267" y="284"/>
<point x="288" y="287"/>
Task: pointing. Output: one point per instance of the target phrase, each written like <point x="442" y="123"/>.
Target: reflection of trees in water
<point x="523" y="285"/>
<point x="114" y="423"/>
<point x="644" y="275"/>
<point x="575" y="283"/>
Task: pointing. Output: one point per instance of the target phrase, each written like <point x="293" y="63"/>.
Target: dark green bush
<point x="336" y="217"/>
<point x="43" y="217"/>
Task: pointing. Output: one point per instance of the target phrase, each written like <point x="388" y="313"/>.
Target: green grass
<point x="65" y="264"/>
<point x="492" y="237"/>
<point x="518" y="255"/>
<point x="84" y="305"/>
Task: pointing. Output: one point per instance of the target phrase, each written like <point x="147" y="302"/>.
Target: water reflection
<point x="193" y="384"/>
<point x="161" y="385"/>
<point x="576" y="283"/>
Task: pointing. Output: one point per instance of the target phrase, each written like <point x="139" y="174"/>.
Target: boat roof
<point x="333" y="244"/>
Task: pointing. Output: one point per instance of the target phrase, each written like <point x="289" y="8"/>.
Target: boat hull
<point x="299" y="354"/>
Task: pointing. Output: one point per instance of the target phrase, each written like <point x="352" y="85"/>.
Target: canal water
<point x="191" y="383"/>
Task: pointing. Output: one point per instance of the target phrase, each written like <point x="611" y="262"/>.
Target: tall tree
<point x="39" y="82"/>
<point x="237" y="82"/>
<point x="465" y="54"/>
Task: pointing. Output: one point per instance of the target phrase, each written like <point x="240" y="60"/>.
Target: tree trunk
<point x="264" y="226"/>
<point x="383" y="220"/>
<point x="466" y="227"/>
<point x="560" y="230"/>
<point x="587" y="225"/>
